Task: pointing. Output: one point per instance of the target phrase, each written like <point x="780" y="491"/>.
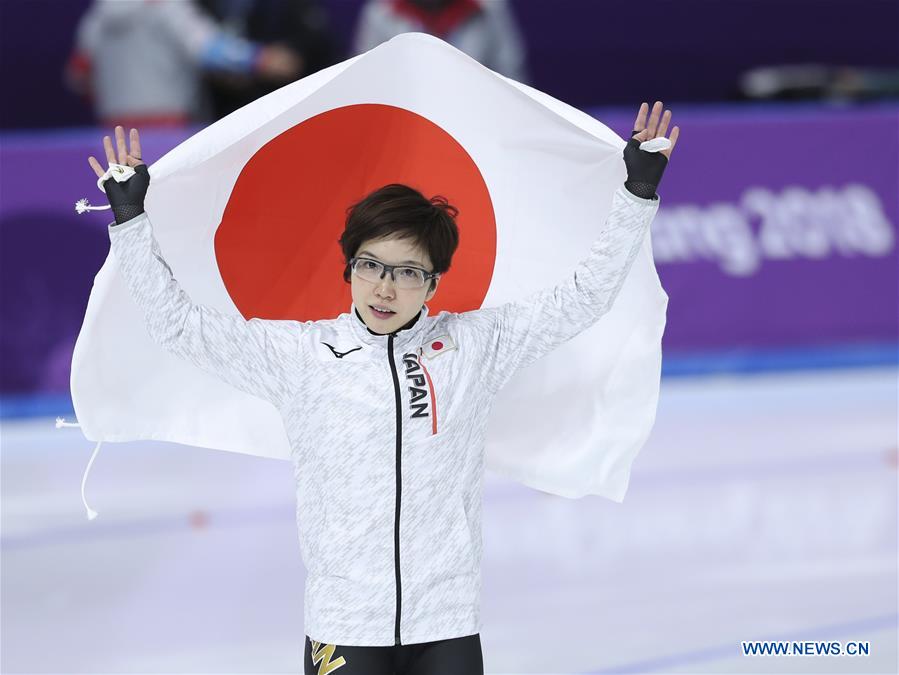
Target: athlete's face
<point x="405" y="302"/>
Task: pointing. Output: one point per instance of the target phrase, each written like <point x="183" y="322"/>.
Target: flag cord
<point x="60" y="422"/>
<point x="83" y="205"/>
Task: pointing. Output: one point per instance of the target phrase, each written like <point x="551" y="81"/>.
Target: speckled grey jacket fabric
<point x="386" y="431"/>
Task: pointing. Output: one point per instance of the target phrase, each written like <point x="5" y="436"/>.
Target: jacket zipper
<point x="399" y="486"/>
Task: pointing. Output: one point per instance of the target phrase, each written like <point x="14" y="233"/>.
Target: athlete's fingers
<point x="110" y="153"/>
<point x="95" y="165"/>
<point x="663" y="124"/>
<point x="135" y="148"/>
<point x="120" y="144"/>
<point x="640" y="122"/>
<point x="654" y="119"/>
<point x="675" y="132"/>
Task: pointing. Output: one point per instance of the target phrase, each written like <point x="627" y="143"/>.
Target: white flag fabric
<point x="248" y="211"/>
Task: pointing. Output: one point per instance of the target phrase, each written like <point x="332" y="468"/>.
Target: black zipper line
<point x="399" y="485"/>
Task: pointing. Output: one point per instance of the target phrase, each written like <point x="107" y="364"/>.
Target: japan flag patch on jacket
<point x="438" y="346"/>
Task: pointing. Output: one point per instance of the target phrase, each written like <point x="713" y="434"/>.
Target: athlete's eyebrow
<point x="405" y="262"/>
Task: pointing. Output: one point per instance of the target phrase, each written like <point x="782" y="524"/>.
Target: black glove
<point x="127" y="198"/>
<point x="644" y="169"/>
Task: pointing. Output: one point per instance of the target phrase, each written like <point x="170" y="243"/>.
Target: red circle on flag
<point x="437" y="345"/>
<point x="276" y="246"/>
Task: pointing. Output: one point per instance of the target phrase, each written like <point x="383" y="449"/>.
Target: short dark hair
<point x="397" y="210"/>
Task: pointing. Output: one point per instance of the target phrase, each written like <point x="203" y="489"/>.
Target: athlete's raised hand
<point x="644" y="167"/>
<point x="130" y="158"/>
<point x="656" y="128"/>
<point x="126" y="198"/>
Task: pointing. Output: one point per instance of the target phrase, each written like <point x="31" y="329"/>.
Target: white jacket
<point x="386" y="431"/>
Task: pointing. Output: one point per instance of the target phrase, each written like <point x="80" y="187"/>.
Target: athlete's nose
<point x="384" y="287"/>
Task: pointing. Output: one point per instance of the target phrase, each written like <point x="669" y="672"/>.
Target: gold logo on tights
<point x="325" y="653"/>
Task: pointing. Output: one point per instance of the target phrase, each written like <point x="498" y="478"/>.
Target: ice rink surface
<point x="763" y="507"/>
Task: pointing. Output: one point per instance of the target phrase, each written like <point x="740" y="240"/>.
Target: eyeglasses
<point x="402" y="275"/>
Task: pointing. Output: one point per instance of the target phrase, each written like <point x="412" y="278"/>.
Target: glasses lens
<point x="406" y="277"/>
<point x="409" y="277"/>
<point x="368" y="269"/>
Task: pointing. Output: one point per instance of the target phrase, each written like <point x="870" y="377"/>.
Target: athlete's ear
<point x="433" y="291"/>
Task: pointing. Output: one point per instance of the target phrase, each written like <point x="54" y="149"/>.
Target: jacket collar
<point x="403" y="336"/>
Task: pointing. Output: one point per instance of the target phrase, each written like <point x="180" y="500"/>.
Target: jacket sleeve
<point x="375" y="25"/>
<point x="515" y="334"/>
<point x="257" y="356"/>
<point x="508" y="51"/>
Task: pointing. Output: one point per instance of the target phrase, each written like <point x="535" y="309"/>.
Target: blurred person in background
<point x="141" y="61"/>
<point x="299" y="25"/>
<point x="819" y="81"/>
<point x="486" y="30"/>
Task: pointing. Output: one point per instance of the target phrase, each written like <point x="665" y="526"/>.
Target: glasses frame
<point x="390" y="269"/>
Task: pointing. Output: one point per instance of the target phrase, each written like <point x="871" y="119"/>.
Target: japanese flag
<point x="248" y="212"/>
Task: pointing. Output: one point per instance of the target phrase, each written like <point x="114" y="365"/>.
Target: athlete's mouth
<point x="381" y="314"/>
